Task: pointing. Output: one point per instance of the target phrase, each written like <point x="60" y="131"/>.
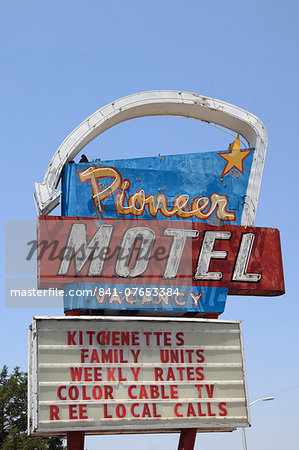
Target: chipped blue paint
<point x="182" y="298"/>
<point x="195" y="174"/>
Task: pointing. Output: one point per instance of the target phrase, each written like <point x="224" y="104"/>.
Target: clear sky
<point x="63" y="60"/>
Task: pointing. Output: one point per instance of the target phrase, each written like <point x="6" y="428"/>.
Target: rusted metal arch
<point x="159" y="103"/>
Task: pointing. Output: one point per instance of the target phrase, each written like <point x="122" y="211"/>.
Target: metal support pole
<point x="263" y="399"/>
<point x="75" y="440"/>
<point x="244" y="439"/>
<point x="187" y="439"/>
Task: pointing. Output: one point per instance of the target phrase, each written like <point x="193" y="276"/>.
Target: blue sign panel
<point x="199" y="187"/>
<point x="144" y="298"/>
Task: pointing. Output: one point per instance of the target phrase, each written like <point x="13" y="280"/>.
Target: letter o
<point x="122" y="268"/>
<point x="73" y="392"/>
<point x="120" y="410"/>
<point x="97" y="392"/>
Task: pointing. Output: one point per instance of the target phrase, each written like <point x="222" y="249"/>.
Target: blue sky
<point x="63" y="60"/>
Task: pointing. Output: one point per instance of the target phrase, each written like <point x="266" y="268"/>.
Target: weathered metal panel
<point x="189" y="187"/>
<point x="164" y="255"/>
<point x="108" y="375"/>
<point x="145" y="298"/>
<point x="175" y="103"/>
<point x="218" y="189"/>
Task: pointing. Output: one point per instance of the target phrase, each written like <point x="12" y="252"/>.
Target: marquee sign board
<point x="129" y="375"/>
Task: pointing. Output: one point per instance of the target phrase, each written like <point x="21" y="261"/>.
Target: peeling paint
<point x="234" y="174"/>
<point x="216" y="222"/>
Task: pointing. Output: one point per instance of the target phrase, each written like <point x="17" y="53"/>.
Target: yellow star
<point x="234" y="159"/>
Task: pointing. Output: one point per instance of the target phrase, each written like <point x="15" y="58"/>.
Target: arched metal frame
<point x="159" y="103"/>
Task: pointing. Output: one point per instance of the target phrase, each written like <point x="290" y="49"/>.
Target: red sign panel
<point x="246" y="260"/>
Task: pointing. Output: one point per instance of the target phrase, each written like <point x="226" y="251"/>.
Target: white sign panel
<point x="106" y="375"/>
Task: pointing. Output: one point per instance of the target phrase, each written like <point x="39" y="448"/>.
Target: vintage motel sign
<point x="177" y="266"/>
<point x="171" y="235"/>
<point x="135" y="375"/>
<point x="195" y="207"/>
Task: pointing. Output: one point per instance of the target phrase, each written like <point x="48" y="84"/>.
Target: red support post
<point x="75" y="440"/>
<point x="187" y="439"/>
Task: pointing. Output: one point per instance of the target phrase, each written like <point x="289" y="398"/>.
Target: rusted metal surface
<point x="75" y="440"/>
<point x="187" y="439"/>
<point x="245" y="260"/>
